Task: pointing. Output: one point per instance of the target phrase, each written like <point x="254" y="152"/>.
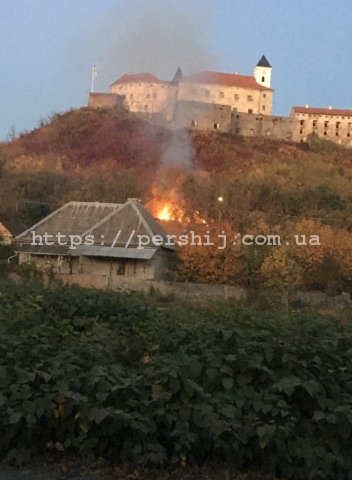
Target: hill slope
<point x="245" y="185"/>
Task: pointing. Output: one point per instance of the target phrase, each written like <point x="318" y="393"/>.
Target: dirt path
<point x="56" y="472"/>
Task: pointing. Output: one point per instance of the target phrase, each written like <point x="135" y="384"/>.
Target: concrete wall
<point x="191" y="292"/>
<point x="105" y="100"/>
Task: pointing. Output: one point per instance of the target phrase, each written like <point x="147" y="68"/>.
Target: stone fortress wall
<point x="232" y="103"/>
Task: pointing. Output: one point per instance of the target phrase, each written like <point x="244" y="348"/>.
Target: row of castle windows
<point x="155" y="96"/>
<point x="325" y="116"/>
<point x="216" y="125"/>
<point x="236" y="96"/>
<point x="326" y="124"/>
<point x="207" y="94"/>
<point x="337" y="134"/>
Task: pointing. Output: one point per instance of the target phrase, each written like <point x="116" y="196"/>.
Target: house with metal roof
<point x="92" y="239"/>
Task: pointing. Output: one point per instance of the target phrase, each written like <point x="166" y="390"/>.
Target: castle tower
<point x="178" y="77"/>
<point x="262" y="72"/>
<point x="172" y="95"/>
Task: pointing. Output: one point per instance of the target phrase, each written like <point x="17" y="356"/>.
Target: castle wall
<point x="336" y="128"/>
<point x="105" y="100"/>
<point x="143" y="97"/>
<point x="202" y="116"/>
<point x="250" y="125"/>
<point x="239" y="99"/>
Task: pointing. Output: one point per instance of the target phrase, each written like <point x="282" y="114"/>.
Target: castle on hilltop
<point x="228" y="102"/>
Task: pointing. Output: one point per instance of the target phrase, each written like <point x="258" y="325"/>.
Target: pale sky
<point x="48" y="48"/>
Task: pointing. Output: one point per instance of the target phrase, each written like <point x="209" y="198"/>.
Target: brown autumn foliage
<point x="265" y="186"/>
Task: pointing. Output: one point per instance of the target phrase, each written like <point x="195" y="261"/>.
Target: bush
<point x="109" y="375"/>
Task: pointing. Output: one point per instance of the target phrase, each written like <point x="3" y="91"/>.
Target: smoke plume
<point x="153" y="36"/>
<point x="179" y="151"/>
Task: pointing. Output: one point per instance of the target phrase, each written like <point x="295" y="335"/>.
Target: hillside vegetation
<point x="267" y="187"/>
<point x="111" y="375"/>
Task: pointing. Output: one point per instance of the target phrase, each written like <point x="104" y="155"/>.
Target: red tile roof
<point x="137" y="78"/>
<point x="226" y="79"/>
<point x="323" y="111"/>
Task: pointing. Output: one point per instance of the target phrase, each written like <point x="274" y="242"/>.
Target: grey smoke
<point x="153" y="36"/>
<point x="179" y="151"/>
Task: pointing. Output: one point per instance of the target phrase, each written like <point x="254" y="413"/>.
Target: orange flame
<point x="165" y="213"/>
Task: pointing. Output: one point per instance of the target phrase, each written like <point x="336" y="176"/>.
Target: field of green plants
<point x="134" y="380"/>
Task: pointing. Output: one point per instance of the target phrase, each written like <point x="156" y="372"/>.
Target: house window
<point x="338" y="124"/>
<point x="263" y="78"/>
<point x="337" y="134"/>
<point x="263" y="108"/>
<point x="251" y="131"/>
<point x="216" y="126"/>
<point x="207" y="93"/>
<point x="264" y="95"/>
<point x="193" y="123"/>
<point x="236" y="96"/>
<point x="249" y="98"/>
<point x="326" y="124"/>
<point x="121" y="267"/>
<point x="250" y="110"/>
<point x="325" y="133"/>
<point x="237" y="130"/>
<point x="314" y="123"/>
<point x="302" y="122"/>
<point x="146" y="107"/>
<point x="221" y="94"/>
<point x="301" y="131"/>
<point x="348" y="134"/>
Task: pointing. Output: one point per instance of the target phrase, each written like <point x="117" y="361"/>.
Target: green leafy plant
<point x="107" y="374"/>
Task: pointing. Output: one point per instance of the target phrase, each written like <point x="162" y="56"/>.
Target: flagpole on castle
<point x="94" y="74"/>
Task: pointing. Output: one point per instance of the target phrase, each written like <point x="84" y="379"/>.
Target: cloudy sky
<point x="48" y="48"/>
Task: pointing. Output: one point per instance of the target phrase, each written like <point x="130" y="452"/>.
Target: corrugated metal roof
<point x="115" y="252"/>
<point x="109" y="224"/>
<point x="43" y="249"/>
<point x="73" y="218"/>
